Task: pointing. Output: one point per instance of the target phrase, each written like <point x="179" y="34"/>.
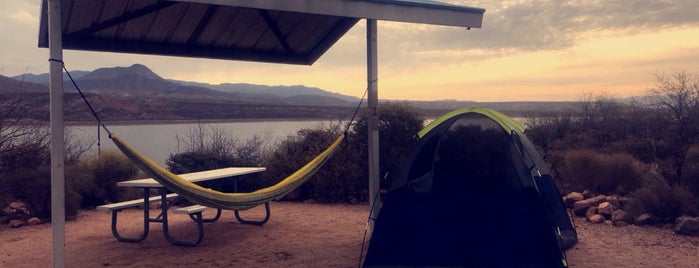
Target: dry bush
<point x="692" y="170"/>
<point x="603" y="173"/>
<point x="665" y="201"/>
<point x="95" y="179"/>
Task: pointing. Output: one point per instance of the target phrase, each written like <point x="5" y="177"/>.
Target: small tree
<point x="677" y="97"/>
<point x="399" y="122"/>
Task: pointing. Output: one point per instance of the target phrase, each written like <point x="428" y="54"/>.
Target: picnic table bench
<point x="194" y="211"/>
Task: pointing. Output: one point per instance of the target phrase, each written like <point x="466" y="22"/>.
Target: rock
<point x="605" y="208"/>
<point x="16" y="223"/>
<point x="608" y="222"/>
<point x="17" y="208"/>
<point x="580" y="207"/>
<point x="590" y="211"/>
<point x="620" y="223"/>
<point x="645" y="219"/>
<point x="621" y="215"/>
<point x="687" y="225"/>
<point x="33" y="221"/>
<point x="597" y="218"/>
<point x="614" y="200"/>
<point x="571" y="198"/>
<point x="587" y="194"/>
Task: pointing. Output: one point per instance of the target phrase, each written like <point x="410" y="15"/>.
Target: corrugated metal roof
<point x="286" y="31"/>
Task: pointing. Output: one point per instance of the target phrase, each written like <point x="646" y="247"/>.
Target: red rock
<point x="16" y="223"/>
<point x="590" y="211"/>
<point x="687" y="225"/>
<point x="621" y="215"/>
<point x="614" y="200"/>
<point x="605" y="208"/>
<point x="644" y="219"/>
<point x="33" y="221"/>
<point x="580" y="207"/>
<point x="597" y="218"/>
<point x="571" y="198"/>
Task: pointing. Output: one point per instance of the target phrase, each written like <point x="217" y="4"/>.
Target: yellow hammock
<point x="216" y="199"/>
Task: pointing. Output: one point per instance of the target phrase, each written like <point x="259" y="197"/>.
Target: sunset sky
<point x="526" y="51"/>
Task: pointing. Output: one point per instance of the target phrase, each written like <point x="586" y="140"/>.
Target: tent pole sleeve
<point x="57" y="135"/>
<point x="373" y="120"/>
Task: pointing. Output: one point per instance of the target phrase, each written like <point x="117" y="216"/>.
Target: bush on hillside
<point x="602" y="173"/>
<point x="294" y="152"/>
<point x="665" y="201"/>
<point x="208" y="147"/>
<point x="399" y="122"/>
<point x="34" y="186"/>
<point x="95" y="179"/>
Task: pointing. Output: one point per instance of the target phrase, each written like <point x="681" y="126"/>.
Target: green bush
<point x="95" y="179"/>
<point x="341" y="179"/>
<point x="691" y="173"/>
<point x="667" y="202"/>
<point x="602" y="173"/>
<point x="294" y="152"/>
<point x="399" y="122"/>
<point x="34" y="186"/>
<point x="209" y="148"/>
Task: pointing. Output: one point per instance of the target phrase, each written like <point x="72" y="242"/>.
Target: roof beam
<point x="426" y="12"/>
<point x="275" y="30"/>
<point x="171" y="49"/>
<point x="121" y="19"/>
<point x="203" y="23"/>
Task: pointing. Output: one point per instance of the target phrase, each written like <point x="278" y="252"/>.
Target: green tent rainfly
<point x="473" y="192"/>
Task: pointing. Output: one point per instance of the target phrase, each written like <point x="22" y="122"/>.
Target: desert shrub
<point x="341" y="179"/>
<point x="207" y="147"/>
<point x="294" y="152"/>
<point x="34" y="186"/>
<point x="602" y="173"/>
<point x="665" y="201"/>
<point x="95" y="179"/>
<point x="399" y="122"/>
<point x="692" y="170"/>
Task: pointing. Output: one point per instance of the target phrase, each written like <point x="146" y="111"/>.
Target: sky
<point x="550" y="50"/>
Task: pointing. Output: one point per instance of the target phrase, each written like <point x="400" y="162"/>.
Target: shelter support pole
<point x="373" y="120"/>
<point x="57" y="134"/>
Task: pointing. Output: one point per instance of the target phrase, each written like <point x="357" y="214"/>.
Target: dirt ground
<point x="300" y="235"/>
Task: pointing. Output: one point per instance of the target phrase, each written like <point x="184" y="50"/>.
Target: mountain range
<point x="138" y="93"/>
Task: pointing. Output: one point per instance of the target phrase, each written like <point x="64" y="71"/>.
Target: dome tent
<point x="472" y="192"/>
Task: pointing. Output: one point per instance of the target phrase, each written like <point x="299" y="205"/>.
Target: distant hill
<point x="139" y="80"/>
<point x="11" y="85"/>
<point x="293" y="92"/>
<point x="43" y="79"/>
<point x="137" y="93"/>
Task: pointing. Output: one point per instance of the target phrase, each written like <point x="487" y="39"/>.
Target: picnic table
<point x="194" y="211"/>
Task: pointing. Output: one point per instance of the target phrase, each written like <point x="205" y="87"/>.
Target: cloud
<point x="553" y="24"/>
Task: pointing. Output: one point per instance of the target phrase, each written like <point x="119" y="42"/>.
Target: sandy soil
<point x="300" y="235"/>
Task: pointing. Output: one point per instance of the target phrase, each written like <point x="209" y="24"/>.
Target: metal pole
<point x="57" y="135"/>
<point x="373" y="120"/>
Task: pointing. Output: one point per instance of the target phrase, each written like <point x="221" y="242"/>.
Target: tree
<point x="399" y="122"/>
<point x="677" y="97"/>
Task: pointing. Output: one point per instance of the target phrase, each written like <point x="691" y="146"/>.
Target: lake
<point x="158" y="141"/>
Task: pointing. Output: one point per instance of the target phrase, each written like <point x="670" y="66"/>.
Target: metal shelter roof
<point x="282" y="31"/>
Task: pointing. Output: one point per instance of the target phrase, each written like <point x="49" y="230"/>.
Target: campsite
<point x="307" y="235"/>
<point x="603" y="182"/>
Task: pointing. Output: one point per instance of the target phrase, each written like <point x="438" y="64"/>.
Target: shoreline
<point x="190" y="121"/>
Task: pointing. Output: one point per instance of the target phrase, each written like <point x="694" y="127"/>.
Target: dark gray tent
<point x="472" y="193"/>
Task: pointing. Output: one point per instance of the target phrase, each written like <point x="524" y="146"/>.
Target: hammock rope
<point x="209" y="197"/>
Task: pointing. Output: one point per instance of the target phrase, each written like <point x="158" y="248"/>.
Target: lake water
<point x="158" y="141"/>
